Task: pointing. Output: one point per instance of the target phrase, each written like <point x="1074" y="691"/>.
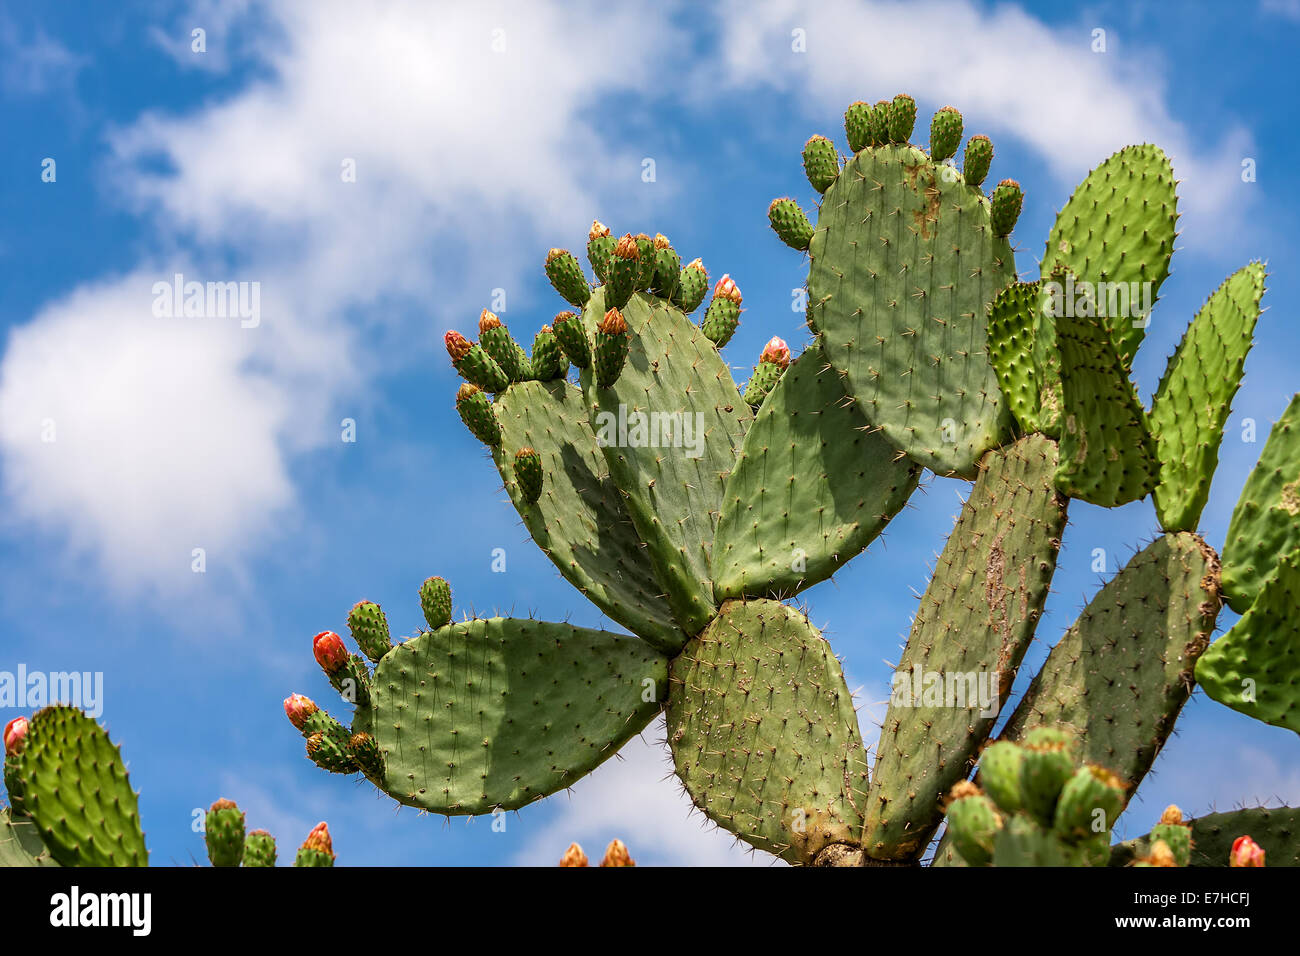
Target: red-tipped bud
<point x="613" y="323"/>
<point x="1246" y="852"/>
<point x="329" y="650"/>
<point x="457" y="345"/>
<point x="776" y="352"/>
<point x="598" y="230"/>
<point x="298" y="708"/>
<point x="15" y="731"/>
<point x="487" y="320"/>
<point x="726" y="289"/>
<point x="466" y="391"/>
<point x="319" y="839"/>
<point x="626" y="248"/>
<point x="223" y="804"/>
<point x="661" y="241"/>
<point x="696" y="264"/>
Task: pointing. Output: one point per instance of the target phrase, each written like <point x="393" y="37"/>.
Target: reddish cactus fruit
<point x="330" y="654"/>
<point x="15" y="732"/>
<point x="457" y="345"/>
<point x="573" y="856"/>
<point x="317" y="849"/>
<point x="1246" y="852"/>
<point x="298" y="709"/>
<point x="611" y="348"/>
<point x="616" y="854"/>
<point x="528" y="474"/>
<point x="776" y="352"/>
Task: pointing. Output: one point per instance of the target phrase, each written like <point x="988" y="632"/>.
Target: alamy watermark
<point x="960" y="689"/>
<point x="179" y="299"/>
<point x="32" y="690"/>
<point x="635" y="429"/>
<point x="1124" y="300"/>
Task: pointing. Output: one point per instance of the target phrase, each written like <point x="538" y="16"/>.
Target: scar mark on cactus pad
<point x="1291" y="497"/>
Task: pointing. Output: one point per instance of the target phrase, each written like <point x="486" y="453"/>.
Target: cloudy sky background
<point x="480" y="139"/>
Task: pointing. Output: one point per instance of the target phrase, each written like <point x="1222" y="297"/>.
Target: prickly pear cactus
<point x="688" y="510"/>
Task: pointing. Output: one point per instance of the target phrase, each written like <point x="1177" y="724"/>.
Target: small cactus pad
<point x="670" y="428"/>
<point x="475" y="411"/>
<point x="722" y="317"/>
<point x="369" y="629"/>
<point x="435" y="602"/>
<point x="1119" y="677"/>
<point x="813" y="487"/>
<point x="259" y="849"/>
<point x="1194" y="399"/>
<point x="580" y="520"/>
<point x="549" y="361"/>
<point x="821" y="162"/>
<point x="1119" y="227"/>
<point x="692" y="287"/>
<point x="475" y="365"/>
<point x="528" y="474"/>
<point x="975" y="164"/>
<point x="1012" y="318"/>
<point x="600" y="246"/>
<point x="957" y="669"/>
<point x="223" y="834"/>
<point x="1255" y="667"/>
<point x="1108" y="456"/>
<point x="20" y="844"/>
<point x="1005" y="206"/>
<point x="790" y="223"/>
<point x="904" y="266"/>
<point x="501" y="712"/>
<point x="566" y="275"/>
<point x="1023" y="843"/>
<point x="668" y="269"/>
<point x="77" y="793"/>
<point x="610" y="350"/>
<point x="496" y="340"/>
<point x="1266" y="522"/>
<point x="572" y="338"/>
<point x="764" y="734"/>
<point x="1276" y="829"/>
<point x="945" y="133"/>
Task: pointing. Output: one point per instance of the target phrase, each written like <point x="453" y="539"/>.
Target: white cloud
<point x="638" y="800"/>
<point x="35" y="65"/>
<point x="175" y="434"/>
<point x="1008" y="72"/>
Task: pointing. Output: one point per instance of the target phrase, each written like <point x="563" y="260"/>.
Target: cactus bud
<point x="15" y="733"/>
<point x="723" y="315"/>
<point x="771" y="364"/>
<point x="435" y="602"/>
<point x="1006" y="203"/>
<point x="600" y="246"/>
<point x="572" y="336"/>
<point x="1246" y="852"/>
<point x="975" y="162"/>
<point x="327" y="647"/>
<point x="259" y="849"/>
<point x="821" y="163"/>
<point x="901" y="118"/>
<point x="878" y="124"/>
<point x="495" y="340"/>
<point x="474" y="364"/>
<point x="692" y="286"/>
<point x="661" y="241"/>
<point x="1172" y="816"/>
<point x="623" y="272"/>
<point x="1000" y="774"/>
<point x="566" y="276"/>
<point x="776" y="352"/>
<point x="488" y="320"/>
<point x="298" y="709"/>
<point x="478" y="415"/>
<point x="573" y="856"/>
<point x="528" y="474"/>
<point x="1046" y="765"/>
<point x="549" y="360"/>
<point x="973" y="823"/>
<point x="611" y="348"/>
<point x="1159" y="855"/>
<point x="945" y="134"/>
<point x="667" y="269"/>
<point x="223" y="833"/>
<point x="369" y="629"/>
<point x="317" y="849"/>
<point x="790" y="223"/>
<point x="616" y="854"/>
<point x="857" y="126"/>
<point x="1089" y="790"/>
<point x="365" y="752"/>
<point x="598" y="230"/>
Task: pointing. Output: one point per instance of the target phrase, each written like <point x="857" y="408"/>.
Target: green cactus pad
<point x="20" y="844"/>
<point x="764" y="734"/>
<point x="528" y="474"/>
<point x="813" y="487"/>
<point x="721" y="319"/>
<point x="223" y="834"/>
<point x="572" y="338"/>
<point x="1046" y="764"/>
<point x="479" y="368"/>
<point x="505" y="351"/>
<point x="999" y="775"/>
<point x="668" y="273"/>
<point x="900" y="118"/>
<point x="673" y="490"/>
<point x="77" y="793"/>
<point x="761" y="383"/>
<point x="821" y="162"/>
<point x="996" y="567"/>
<point x="369" y="629"/>
<point x="945" y="133"/>
<point x="501" y="712"/>
<point x="1119" y="227"/>
<point x="692" y="287"/>
<point x="1108" y="456"/>
<point x="1266" y="522"/>
<point x="1192" y="404"/>
<point x="475" y="411"/>
<point x="1120" y="675"/>
<point x="904" y="266"/>
<point x="566" y="276"/>
<point x="1012" y="317"/>
<point x="1023" y="843"/>
<point x="259" y="849"/>
<point x="1255" y="667"/>
<point x="975" y="163"/>
<point x="973" y="825"/>
<point x="1092" y="790"/>
<point x="790" y="223"/>
<point x="580" y="520"/>
<point x="549" y="361"/>
<point x="435" y="602"/>
<point x="1277" y="830"/>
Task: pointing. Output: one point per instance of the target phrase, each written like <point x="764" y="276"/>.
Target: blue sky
<point x="480" y="139"/>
